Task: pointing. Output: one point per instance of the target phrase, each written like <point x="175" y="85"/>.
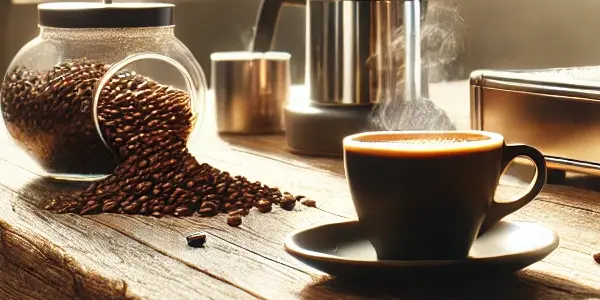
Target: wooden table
<point x="50" y="256"/>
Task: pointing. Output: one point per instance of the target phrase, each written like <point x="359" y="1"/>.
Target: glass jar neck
<point x="105" y="33"/>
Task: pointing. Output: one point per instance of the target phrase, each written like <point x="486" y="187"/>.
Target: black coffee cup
<point x="426" y="195"/>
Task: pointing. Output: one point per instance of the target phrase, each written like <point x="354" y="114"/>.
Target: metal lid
<point x="101" y="15"/>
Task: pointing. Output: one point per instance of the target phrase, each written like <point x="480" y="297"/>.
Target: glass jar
<point x="59" y="93"/>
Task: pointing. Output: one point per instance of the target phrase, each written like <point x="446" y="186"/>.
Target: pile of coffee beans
<point x="146" y="126"/>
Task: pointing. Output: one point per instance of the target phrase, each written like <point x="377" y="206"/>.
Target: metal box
<point x="554" y="110"/>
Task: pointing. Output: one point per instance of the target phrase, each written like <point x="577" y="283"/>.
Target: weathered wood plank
<point x="13" y="279"/>
<point x="88" y="260"/>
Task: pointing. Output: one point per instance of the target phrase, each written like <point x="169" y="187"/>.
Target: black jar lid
<point x="101" y="15"/>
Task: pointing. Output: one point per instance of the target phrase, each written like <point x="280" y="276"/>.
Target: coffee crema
<point x="410" y="143"/>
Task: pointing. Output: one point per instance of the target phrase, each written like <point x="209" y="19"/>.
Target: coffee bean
<point x="90" y="209"/>
<point x="597" y="257"/>
<point x="288" y="203"/>
<point x="196" y="239"/>
<point x="238" y="212"/>
<point x="299" y="197"/>
<point x="183" y="211"/>
<point x="308" y="202"/>
<point x="234" y="221"/>
<point x="264" y="205"/>
<point x="109" y="206"/>
<point x="265" y="209"/>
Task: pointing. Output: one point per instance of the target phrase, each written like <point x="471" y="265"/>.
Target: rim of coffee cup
<point x="354" y="142"/>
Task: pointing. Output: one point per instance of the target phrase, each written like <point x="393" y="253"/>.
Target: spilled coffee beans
<point x="146" y="126"/>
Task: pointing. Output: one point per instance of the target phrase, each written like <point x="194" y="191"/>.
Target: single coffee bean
<point x="234" y="221"/>
<point x="597" y="257"/>
<point x="183" y="211"/>
<point x="196" y="239"/>
<point x="90" y="209"/>
<point x="264" y="209"/>
<point x="299" y="197"/>
<point x="109" y="206"/>
<point x="288" y="203"/>
<point x="308" y="202"/>
<point x="264" y="205"/>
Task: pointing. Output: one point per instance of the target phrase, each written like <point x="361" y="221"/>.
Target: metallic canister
<point x="250" y="90"/>
<point x="355" y="50"/>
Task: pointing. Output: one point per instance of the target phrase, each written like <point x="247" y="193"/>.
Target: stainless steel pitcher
<point x="351" y="57"/>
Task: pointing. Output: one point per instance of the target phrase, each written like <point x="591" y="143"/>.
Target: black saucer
<point x="341" y="249"/>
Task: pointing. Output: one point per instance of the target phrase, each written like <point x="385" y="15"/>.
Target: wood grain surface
<point x="51" y="256"/>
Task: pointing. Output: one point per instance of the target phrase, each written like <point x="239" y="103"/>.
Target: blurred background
<point x="496" y="34"/>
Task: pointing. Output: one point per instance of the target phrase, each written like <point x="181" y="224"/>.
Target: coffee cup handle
<point x="500" y="210"/>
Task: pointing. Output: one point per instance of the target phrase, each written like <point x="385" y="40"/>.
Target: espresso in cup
<point x="426" y="195"/>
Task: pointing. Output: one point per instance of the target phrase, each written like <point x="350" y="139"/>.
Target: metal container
<point x="250" y="91"/>
<point x="351" y="58"/>
<point x="359" y="54"/>
<point x="554" y="110"/>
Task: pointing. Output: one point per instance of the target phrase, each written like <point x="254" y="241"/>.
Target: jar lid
<point x="100" y="15"/>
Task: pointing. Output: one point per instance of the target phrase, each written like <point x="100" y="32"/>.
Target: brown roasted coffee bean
<point x="597" y="257"/>
<point x="131" y="209"/>
<point x="90" y="209"/>
<point x="236" y="212"/>
<point x="262" y="203"/>
<point x="168" y="209"/>
<point x="144" y="210"/>
<point x="308" y="202"/>
<point x="183" y="211"/>
<point x="196" y="239"/>
<point x="207" y="212"/>
<point x="109" y="206"/>
<point x="234" y="221"/>
<point x="288" y="203"/>
<point x="265" y="209"/>
<point x="299" y="197"/>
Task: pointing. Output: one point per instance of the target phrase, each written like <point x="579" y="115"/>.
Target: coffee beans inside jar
<point x="49" y="115"/>
<point x="146" y="126"/>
